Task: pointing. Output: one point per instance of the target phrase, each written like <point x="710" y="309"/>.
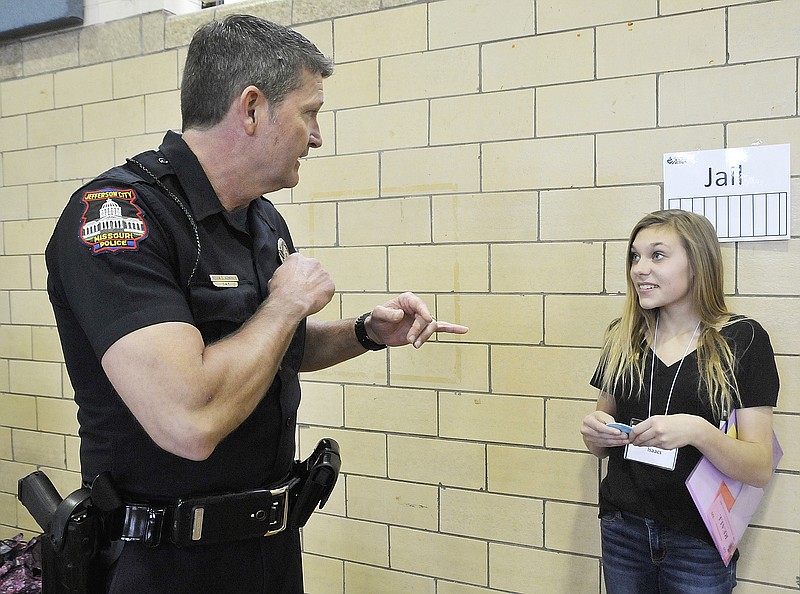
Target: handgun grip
<point x="39" y="496"/>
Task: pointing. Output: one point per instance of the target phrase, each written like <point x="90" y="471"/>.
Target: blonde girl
<point x="672" y="367"/>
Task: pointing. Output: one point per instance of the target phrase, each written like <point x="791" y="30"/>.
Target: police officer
<point x="183" y="310"/>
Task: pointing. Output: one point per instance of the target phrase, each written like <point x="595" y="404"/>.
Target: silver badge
<point x="283" y="250"/>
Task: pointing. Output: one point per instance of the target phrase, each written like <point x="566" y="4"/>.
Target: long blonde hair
<point x="627" y="338"/>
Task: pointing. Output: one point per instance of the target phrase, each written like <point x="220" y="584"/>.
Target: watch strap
<point x="363" y="338"/>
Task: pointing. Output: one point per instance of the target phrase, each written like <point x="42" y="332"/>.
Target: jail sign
<point x="744" y="192"/>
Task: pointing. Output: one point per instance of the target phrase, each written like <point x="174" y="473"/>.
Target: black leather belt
<point x="206" y="520"/>
<point x="222" y="518"/>
<point x="143" y="523"/>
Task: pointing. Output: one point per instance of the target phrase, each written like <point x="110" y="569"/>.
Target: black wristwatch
<point x="363" y="338"/>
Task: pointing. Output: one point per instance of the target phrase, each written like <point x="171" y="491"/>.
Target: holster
<point x="71" y="562"/>
<point x="316" y="477"/>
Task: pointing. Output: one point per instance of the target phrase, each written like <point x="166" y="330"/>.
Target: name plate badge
<point x="224" y="280"/>
<point x="665" y="459"/>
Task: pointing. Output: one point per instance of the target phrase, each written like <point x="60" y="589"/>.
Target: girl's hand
<point x="597" y="434"/>
<point x="669" y="431"/>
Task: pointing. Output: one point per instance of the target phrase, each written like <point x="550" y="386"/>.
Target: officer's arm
<point x="328" y="343"/>
<point x="403" y="320"/>
<point x="189" y="396"/>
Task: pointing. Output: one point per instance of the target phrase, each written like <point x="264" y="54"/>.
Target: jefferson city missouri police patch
<point x="111" y="221"/>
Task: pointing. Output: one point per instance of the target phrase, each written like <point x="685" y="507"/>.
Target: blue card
<point x="621" y="426"/>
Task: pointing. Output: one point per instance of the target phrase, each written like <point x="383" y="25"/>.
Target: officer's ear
<point x="252" y="104"/>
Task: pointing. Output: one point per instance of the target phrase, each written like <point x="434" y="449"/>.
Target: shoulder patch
<point x="111" y="220"/>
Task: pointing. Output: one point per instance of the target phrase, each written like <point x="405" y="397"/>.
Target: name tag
<point x="224" y="280"/>
<point x="665" y="459"/>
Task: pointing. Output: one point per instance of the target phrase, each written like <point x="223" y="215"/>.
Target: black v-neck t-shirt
<point x="660" y="494"/>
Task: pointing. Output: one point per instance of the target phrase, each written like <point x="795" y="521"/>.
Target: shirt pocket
<point x="218" y="311"/>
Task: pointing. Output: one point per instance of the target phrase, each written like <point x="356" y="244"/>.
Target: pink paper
<point x="726" y="505"/>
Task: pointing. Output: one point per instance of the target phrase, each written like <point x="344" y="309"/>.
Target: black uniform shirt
<point x="123" y="256"/>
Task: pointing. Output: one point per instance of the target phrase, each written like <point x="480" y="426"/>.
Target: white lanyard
<point x="666" y="459"/>
<point x="674" y="379"/>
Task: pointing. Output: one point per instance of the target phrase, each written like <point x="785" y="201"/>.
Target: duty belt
<point x="220" y="518"/>
<point x="206" y="520"/>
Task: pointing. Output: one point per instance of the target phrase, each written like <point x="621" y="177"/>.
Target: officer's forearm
<point x="329" y="343"/>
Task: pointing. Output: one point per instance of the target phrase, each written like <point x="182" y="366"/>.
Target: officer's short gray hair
<point x="227" y="56"/>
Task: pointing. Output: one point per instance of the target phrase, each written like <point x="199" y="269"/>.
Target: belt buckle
<point x="278" y="513"/>
<point x="143" y="523"/>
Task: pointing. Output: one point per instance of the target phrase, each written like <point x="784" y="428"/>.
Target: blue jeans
<point x="642" y="557"/>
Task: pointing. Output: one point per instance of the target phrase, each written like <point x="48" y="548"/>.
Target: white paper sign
<point x="744" y="192"/>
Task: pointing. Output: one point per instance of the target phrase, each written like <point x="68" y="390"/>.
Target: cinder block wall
<point x="490" y="155"/>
